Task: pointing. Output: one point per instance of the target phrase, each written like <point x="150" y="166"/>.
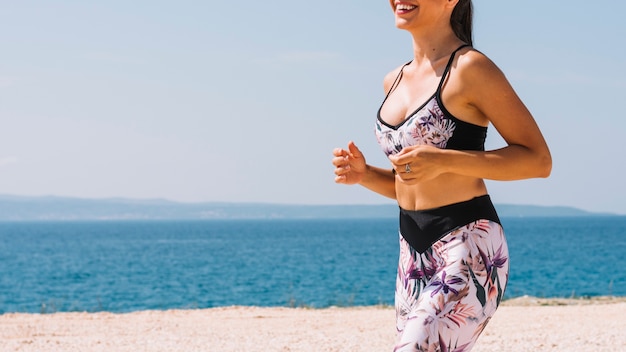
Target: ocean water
<point x="131" y="265"/>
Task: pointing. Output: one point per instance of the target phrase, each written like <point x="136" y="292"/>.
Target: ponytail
<point x="461" y="21"/>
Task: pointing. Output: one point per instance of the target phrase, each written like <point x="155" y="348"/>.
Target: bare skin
<point x="476" y="91"/>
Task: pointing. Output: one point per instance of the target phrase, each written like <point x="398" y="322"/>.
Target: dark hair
<point x="461" y="20"/>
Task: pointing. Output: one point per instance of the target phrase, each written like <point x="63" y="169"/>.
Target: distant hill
<point x="19" y="208"/>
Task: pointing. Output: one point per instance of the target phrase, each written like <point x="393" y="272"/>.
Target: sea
<point x="124" y="266"/>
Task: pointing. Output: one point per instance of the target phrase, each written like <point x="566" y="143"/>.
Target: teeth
<point x="405" y="7"/>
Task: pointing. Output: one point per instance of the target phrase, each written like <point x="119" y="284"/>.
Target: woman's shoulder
<point x="474" y="64"/>
<point x="478" y="78"/>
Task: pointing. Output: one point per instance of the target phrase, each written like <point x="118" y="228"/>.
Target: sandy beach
<point x="523" y="324"/>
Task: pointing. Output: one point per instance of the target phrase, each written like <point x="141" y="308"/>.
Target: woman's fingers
<point x="354" y="150"/>
<point x="341" y="162"/>
<point x="340" y="152"/>
<point x="349" y="164"/>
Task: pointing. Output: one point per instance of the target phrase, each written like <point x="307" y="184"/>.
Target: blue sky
<point x="244" y="101"/>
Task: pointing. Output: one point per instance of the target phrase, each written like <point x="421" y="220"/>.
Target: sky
<point x="203" y="101"/>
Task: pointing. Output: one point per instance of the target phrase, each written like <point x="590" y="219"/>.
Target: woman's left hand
<point x="417" y="163"/>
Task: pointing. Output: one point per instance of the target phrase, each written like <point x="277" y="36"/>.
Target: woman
<point x="432" y="124"/>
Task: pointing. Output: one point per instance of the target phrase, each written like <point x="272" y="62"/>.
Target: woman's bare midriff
<point x="445" y="189"/>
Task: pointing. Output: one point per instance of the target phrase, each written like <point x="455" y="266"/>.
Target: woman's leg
<point x="446" y="295"/>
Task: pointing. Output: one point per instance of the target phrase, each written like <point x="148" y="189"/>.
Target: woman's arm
<point x="482" y="93"/>
<point x="351" y="168"/>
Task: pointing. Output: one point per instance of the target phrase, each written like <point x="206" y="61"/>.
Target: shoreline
<point x="521" y="324"/>
<point x="561" y="301"/>
<point x="516" y="301"/>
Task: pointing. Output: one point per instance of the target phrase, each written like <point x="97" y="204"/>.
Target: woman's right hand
<point x="350" y="166"/>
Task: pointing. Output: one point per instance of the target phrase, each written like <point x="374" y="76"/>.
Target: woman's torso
<point x="403" y="121"/>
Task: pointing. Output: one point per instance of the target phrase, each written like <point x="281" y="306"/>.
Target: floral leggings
<point x="446" y="296"/>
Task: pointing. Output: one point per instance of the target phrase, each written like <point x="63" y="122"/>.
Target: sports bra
<point x="430" y="124"/>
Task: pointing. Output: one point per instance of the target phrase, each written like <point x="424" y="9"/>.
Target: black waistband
<point x="422" y="228"/>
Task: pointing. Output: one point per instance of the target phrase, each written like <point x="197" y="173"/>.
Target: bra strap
<point x="447" y="69"/>
<point x="397" y="80"/>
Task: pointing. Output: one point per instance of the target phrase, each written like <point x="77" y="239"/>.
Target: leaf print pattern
<point x="433" y="128"/>
<point x="446" y="295"/>
<point x="428" y="126"/>
<point x="445" y="285"/>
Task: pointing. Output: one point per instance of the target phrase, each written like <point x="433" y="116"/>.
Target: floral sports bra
<point x="431" y="124"/>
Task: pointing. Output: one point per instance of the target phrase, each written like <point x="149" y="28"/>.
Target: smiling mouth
<point x="404" y="8"/>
